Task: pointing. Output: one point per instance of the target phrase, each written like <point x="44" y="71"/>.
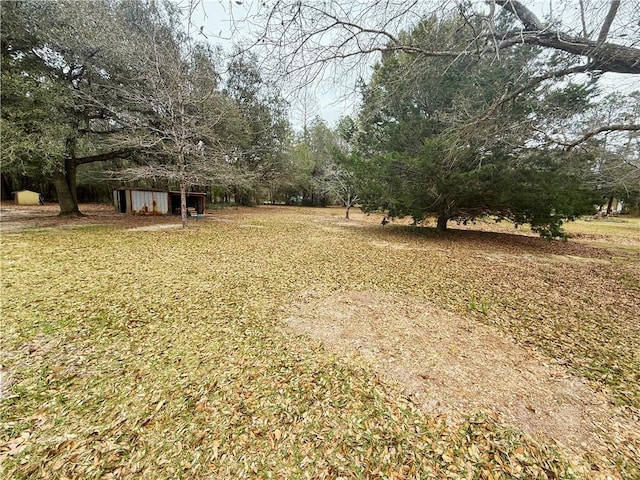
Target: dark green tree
<point x="56" y="112"/>
<point x="308" y="41"/>
<point x="425" y="158"/>
<point x="262" y="138"/>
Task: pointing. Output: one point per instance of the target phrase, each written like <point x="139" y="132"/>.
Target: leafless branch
<point x="585" y="32"/>
<point x="604" y="129"/>
<point x="101" y="157"/>
<point x="523" y="14"/>
<point x="510" y="95"/>
<point x="339" y="34"/>
<point x="611" y="15"/>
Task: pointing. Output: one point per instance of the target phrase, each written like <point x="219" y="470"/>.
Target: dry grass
<point x="160" y="353"/>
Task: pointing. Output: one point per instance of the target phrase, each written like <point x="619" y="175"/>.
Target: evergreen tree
<point x="422" y="158"/>
<point x="262" y="140"/>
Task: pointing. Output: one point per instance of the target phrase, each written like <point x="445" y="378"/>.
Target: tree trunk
<point x="71" y="176"/>
<point x="346" y="215"/>
<point x="442" y="222"/>
<point x="66" y="199"/>
<point x="183" y="204"/>
<point x="6" y="187"/>
<point x="65" y="181"/>
<point x="610" y="205"/>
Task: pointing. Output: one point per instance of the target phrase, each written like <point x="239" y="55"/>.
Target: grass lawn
<point x="154" y="352"/>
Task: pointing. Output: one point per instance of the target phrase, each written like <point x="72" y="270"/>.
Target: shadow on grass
<point x="494" y="241"/>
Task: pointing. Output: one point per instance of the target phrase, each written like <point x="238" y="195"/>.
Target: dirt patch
<point x="14" y="218"/>
<point x="153" y="228"/>
<point x="451" y="365"/>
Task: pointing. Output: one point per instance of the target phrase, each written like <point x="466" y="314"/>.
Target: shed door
<point x="122" y="201"/>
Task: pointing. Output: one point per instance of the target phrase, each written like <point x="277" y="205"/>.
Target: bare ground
<point x="18" y="217"/>
<point x="452" y="366"/>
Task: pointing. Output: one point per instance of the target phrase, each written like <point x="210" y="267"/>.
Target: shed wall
<point x="27" y="197"/>
<point x="149" y="203"/>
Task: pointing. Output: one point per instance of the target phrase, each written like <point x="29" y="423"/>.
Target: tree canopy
<point x="54" y="64"/>
<point x="421" y="157"/>
<point x="132" y="84"/>
<point x="471" y="108"/>
<point x="311" y="40"/>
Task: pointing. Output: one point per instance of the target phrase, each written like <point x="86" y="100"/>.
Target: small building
<point x="195" y="203"/>
<point x="27" y="197"/>
<point x="141" y="201"/>
<point x="146" y="201"/>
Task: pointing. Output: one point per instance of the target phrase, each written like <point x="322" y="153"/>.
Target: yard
<point x="281" y="342"/>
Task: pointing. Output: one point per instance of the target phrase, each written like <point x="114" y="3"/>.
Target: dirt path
<point x="451" y="365"/>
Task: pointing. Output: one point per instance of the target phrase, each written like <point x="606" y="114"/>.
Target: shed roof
<point x="141" y="189"/>
<point x="194" y="194"/>
<point x="172" y="192"/>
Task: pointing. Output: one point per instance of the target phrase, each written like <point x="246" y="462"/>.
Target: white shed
<point x="156" y="202"/>
<point x="141" y="201"/>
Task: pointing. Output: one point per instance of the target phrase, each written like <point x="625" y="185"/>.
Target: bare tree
<point x="342" y="184"/>
<point x="307" y="33"/>
<point x="616" y="153"/>
<point x="309" y="40"/>
<point x="184" y="122"/>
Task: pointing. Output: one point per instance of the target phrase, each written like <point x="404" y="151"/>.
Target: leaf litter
<point x="161" y="354"/>
<point x="450" y="365"/>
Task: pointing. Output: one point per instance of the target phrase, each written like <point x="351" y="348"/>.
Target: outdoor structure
<point x="139" y="201"/>
<point x="27" y="197"/>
